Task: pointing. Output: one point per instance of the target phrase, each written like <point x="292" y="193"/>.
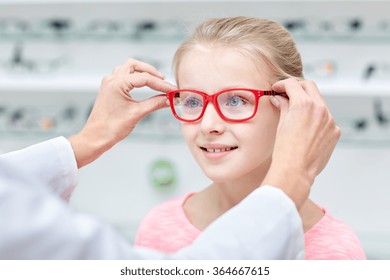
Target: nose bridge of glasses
<point x="211" y="107"/>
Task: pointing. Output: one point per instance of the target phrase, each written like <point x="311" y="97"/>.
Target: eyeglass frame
<point x="213" y="100"/>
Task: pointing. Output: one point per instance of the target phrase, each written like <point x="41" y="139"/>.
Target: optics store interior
<point x="54" y="54"/>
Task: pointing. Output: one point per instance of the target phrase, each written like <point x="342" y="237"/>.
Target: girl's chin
<point x="221" y="178"/>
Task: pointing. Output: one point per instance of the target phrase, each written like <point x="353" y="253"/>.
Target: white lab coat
<point x="36" y="224"/>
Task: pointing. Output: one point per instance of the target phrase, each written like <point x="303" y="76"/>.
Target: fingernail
<point x="275" y="102"/>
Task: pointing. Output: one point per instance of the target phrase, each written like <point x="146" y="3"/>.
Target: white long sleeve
<point x="51" y="164"/>
<point x="35" y="224"/>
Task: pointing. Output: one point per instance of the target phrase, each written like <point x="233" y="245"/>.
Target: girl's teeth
<point x="218" y="150"/>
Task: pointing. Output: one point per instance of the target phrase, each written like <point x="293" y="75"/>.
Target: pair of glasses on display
<point x="233" y="105"/>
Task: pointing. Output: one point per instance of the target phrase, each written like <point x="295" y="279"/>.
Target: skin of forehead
<point x="219" y="56"/>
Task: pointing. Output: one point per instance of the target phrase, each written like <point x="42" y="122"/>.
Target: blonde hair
<point x="261" y="39"/>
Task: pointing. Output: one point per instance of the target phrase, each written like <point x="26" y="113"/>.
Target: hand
<point x="305" y="139"/>
<point x="115" y="113"/>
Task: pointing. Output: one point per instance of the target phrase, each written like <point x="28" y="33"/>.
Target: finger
<point x="281" y="104"/>
<point x="153" y="103"/>
<point x="328" y="149"/>
<point x="311" y="88"/>
<point x="138" y="80"/>
<point x="291" y="87"/>
<point x="278" y="101"/>
<point x="275" y="102"/>
<point x="133" y="65"/>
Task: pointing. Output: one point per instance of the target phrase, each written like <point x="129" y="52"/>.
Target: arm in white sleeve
<point x="265" y="225"/>
<point x="35" y="224"/>
<point x="51" y="163"/>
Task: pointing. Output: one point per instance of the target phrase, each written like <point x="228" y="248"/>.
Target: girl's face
<point x="228" y="151"/>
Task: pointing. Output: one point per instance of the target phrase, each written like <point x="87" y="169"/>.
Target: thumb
<point x="153" y="103"/>
<point x="281" y="104"/>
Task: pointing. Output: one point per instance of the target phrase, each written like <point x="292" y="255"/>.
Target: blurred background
<point x="53" y="55"/>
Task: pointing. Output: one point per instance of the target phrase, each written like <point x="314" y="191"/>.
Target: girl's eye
<point x="235" y="101"/>
<point x="192" y="102"/>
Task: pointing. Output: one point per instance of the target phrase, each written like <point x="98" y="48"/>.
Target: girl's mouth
<point x="219" y="150"/>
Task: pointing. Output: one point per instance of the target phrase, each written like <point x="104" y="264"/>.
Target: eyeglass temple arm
<point x="273" y="93"/>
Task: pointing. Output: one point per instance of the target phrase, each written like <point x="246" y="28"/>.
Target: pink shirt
<point x="167" y="229"/>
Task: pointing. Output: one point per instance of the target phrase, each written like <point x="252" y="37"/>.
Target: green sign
<point x="163" y="174"/>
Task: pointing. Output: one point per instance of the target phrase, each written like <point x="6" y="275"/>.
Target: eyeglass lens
<point x="234" y="105"/>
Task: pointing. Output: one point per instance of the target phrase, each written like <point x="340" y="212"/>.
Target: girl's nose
<point x="211" y="121"/>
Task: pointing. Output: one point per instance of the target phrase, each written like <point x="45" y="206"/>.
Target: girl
<point x="224" y="73"/>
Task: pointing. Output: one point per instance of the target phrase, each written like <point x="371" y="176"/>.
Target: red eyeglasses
<point x="233" y="105"/>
